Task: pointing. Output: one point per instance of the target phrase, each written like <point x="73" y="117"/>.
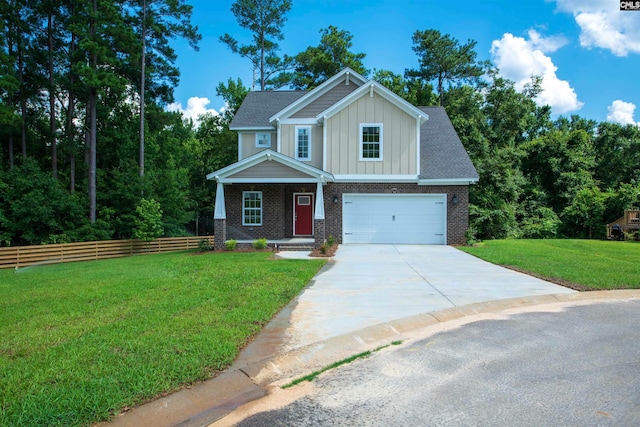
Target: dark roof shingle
<point x="442" y="155"/>
<point x="257" y="107"/>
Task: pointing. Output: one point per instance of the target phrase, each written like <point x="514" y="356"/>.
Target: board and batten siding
<point x="288" y="135"/>
<point x="326" y="100"/>
<point x="248" y="144"/>
<point x="399" y="139"/>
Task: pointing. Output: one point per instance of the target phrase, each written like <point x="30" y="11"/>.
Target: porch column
<point x="318" y="219"/>
<point x="219" y="219"/>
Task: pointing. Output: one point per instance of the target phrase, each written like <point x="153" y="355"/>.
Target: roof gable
<point x="347" y="75"/>
<point x="369" y="88"/>
<point x="292" y="168"/>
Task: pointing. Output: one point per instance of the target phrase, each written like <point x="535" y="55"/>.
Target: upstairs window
<point x="371" y="141"/>
<point x="252" y="208"/>
<point x="303" y="143"/>
<point x="263" y="140"/>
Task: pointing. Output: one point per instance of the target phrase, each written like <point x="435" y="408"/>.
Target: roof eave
<point x="448" y="181"/>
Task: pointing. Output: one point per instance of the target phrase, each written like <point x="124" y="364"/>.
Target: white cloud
<point x="196" y="107"/>
<point x="622" y="112"/>
<point x="546" y="44"/>
<point x="603" y="25"/>
<point x="519" y="59"/>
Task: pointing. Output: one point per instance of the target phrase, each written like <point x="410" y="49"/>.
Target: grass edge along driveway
<point x="580" y="264"/>
<point x="80" y="342"/>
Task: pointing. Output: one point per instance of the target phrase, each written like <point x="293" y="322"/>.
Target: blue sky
<point x="587" y="51"/>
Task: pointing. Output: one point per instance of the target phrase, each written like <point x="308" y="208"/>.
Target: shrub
<point x="204" y="245"/>
<point x="324" y="248"/>
<point x="231" y="245"/>
<point x="260" y="243"/>
<point x="470" y="236"/>
<point x="331" y="241"/>
<point x="148" y="222"/>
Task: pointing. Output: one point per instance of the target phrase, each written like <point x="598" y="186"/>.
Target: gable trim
<point x="225" y="174"/>
<point x="374" y="87"/>
<point x="317" y="92"/>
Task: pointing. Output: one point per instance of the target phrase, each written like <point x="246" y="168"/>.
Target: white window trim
<point x="243" y="208"/>
<point x="308" y="158"/>
<point x="360" y="143"/>
<point x="268" y="135"/>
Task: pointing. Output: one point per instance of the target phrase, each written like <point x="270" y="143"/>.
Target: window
<point x="304" y="200"/>
<point x="371" y="141"/>
<point x="303" y="143"/>
<point x="252" y="208"/>
<point x="263" y="140"/>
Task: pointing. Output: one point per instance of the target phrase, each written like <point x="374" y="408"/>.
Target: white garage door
<point x="394" y="218"/>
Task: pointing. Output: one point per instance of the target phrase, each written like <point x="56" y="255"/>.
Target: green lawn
<point x="79" y="342"/>
<point x="594" y="264"/>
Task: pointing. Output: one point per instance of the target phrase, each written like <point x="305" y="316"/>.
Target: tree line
<point x="87" y="146"/>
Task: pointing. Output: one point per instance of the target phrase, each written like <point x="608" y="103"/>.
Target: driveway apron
<point x="366" y="285"/>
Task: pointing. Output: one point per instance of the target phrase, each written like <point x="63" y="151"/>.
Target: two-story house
<point x="348" y="159"/>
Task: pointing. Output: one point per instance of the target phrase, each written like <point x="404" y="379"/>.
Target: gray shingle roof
<point x="257" y="107"/>
<point x="442" y="154"/>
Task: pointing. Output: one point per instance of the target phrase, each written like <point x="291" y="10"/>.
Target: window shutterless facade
<point x="263" y="140"/>
<point x="371" y="141"/>
<point x="303" y="143"/>
<point x="252" y="208"/>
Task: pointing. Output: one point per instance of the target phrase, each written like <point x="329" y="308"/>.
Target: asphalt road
<point x="577" y="367"/>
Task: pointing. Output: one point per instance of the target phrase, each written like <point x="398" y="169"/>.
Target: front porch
<point x="269" y="196"/>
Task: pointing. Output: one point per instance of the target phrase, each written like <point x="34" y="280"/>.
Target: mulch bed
<point x="330" y="251"/>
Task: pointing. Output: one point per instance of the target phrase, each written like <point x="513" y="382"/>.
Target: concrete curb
<point x="216" y="398"/>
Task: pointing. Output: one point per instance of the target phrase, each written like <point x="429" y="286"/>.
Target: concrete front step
<point x="285" y="247"/>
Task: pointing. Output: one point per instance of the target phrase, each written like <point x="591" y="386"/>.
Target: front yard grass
<point x="585" y="264"/>
<point x="80" y="342"/>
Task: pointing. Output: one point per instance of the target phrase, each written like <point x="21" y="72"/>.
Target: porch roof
<point x="259" y="169"/>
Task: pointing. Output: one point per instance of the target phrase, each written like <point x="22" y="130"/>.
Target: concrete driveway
<point x="367" y="295"/>
<point x="365" y="285"/>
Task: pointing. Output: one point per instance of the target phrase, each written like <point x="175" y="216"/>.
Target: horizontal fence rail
<point x="23" y="256"/>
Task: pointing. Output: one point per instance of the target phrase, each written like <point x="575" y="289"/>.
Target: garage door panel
<point x="394" y="218"/>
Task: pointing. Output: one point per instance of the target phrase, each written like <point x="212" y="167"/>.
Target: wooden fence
<point x="23" y="256"/>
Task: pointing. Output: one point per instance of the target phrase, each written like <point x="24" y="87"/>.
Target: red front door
<point x="303" y="214"/>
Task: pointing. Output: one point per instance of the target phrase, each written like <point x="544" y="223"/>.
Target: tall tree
<point x="9" y="85"/>
<point x="443" y="59"/>
<point x="265" y="19"/>
<point x="158" y="21"/>
<point x="415" y="91"/>
<point x="316" y="64"/>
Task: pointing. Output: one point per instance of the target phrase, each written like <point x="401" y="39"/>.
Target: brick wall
<point x="277" y="210"/>
<point x="277" y="214"/>
<point x="457" y="214"/>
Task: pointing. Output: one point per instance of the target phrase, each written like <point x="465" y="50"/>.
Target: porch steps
<point x="305" y="247"/>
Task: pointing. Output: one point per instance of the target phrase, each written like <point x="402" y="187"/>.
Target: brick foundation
<point x="319" y="232"/>
<point x="220" y="233"/>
